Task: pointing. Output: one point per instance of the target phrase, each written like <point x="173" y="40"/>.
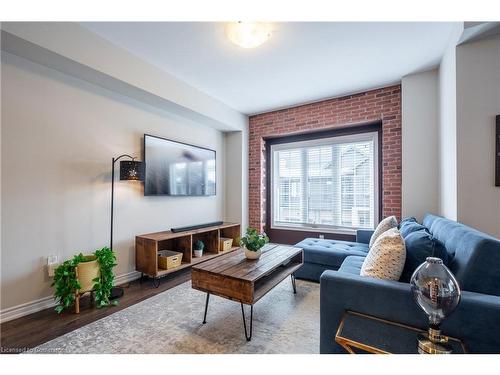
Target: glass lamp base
<point x="433" y="343"/>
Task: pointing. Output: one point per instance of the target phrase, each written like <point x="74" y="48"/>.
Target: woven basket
<point x="168" y="259"/>
<point x="225" y="244"/>
<point x="86" y="272"/>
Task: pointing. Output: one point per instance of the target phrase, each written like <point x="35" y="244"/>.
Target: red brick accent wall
<point x="381" y="104"/>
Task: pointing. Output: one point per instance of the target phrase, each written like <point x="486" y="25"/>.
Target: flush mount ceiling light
<point x="248" y="34"/>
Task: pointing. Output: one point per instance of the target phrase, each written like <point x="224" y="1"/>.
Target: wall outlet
<point x="321" y="236"/>
<point x="52" y="264"/>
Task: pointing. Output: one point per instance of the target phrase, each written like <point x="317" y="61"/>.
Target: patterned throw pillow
<point x="386" y="258"/>
<point x="386" y="224"/>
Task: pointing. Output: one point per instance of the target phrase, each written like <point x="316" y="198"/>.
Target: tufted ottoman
<point x="321" y="255"/>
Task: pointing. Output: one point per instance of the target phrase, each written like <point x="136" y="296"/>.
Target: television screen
<point x="179" y="169"/>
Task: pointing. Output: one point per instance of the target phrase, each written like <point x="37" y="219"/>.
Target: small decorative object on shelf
<point x="437" y="293"/>
<point x="252" y="242"/>
<point x="198" y="248"/>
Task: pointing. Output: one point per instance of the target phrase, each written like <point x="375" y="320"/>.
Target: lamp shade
<point x="131" y="170"/>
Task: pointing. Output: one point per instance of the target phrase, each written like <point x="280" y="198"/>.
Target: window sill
<point x="316" y="229"/>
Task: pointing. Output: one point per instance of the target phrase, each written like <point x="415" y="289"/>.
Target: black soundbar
<point x="193" y="227"/>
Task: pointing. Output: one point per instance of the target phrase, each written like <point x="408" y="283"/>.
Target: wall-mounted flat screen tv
<point x="178" y="169"/>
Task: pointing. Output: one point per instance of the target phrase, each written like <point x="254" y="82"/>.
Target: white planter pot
<point x="198" y="253"/>
<point x="253" y="255"/>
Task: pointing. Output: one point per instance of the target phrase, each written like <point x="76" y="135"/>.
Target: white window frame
<point x="368" y="136"/>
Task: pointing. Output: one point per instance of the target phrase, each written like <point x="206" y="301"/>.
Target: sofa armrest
<point x="364" y="235"/>
<point x="475" y="321"/>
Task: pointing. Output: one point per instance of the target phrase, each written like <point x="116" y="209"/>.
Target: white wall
<point x="420" y="144"/>
<point x="58" y="137"/>
<point x="236" y="181"/>
<point x="478" y="102"/>
<point x="448" y="135"/>
<point x="75" y="50"/>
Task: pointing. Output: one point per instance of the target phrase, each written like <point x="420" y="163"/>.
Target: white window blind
<point x="325" y="183"/>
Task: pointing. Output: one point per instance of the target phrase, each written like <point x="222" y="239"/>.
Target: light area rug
<point x="171" y="322"/>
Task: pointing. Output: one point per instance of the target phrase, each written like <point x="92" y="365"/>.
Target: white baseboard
<point x="27" y="308"/>
<point x="127" y="277"/>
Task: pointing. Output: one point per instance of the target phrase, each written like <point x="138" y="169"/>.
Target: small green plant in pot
<point x="198" y="248"/>
<point x="253" y="241"/>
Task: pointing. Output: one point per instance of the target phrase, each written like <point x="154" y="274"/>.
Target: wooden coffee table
<point x="234" y="277"/>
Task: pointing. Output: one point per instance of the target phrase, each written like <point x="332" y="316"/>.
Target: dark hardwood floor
<point x="32" y="330"/>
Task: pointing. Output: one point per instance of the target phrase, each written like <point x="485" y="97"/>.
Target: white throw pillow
<point x="386" y="224"/>
<point x="386" y="258"/>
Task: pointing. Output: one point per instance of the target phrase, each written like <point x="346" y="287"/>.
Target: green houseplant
<point x="253" y="241"/>
<point x="198" y="248"/>
<point x="68" y="286"/>
<point x="104" y="283"/>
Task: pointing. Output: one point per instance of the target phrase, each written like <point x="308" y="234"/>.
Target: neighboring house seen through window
<point x="328" y="183"/>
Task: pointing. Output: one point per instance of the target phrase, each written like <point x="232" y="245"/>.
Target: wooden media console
<point x="147" y="247"/>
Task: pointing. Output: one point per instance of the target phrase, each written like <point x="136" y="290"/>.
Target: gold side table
<point x="362" y="333"/>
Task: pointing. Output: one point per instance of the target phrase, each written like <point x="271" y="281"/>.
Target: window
<point x="328" y="183"/>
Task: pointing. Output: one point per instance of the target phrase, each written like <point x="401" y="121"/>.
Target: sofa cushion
<point x="330" y="252"/>
<point x="352" y="264"/>
<point x="410" y="225"/>
<point x="419" y="246"/>
<point x="406" y="220"/>
<point x="386" y="257"/>
<point x="386" y="224"/>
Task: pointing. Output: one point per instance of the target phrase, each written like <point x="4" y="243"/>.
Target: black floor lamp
<point x="130" y="170"/>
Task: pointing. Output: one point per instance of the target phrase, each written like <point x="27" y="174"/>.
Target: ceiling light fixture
<point x="248" y="34"/>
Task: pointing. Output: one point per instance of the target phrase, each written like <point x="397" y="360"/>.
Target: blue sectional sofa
<point x="321" y="255"/>
<point x="474" y="258"/>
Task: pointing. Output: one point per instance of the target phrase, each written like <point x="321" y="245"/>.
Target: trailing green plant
<point x="66" y="283"/>
<point x="104" y="283"/>
<point x="199" y="245"/>
<point x="253" y="240"/>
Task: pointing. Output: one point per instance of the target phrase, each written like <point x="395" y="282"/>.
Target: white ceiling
<point x="302" y="62"/>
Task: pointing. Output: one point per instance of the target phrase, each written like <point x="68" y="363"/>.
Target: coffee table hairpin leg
<point x="206" y="309"/>
<point x="248" y="337"/>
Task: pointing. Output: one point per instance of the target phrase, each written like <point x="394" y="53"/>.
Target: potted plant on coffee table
<point x="252" y="242"/>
